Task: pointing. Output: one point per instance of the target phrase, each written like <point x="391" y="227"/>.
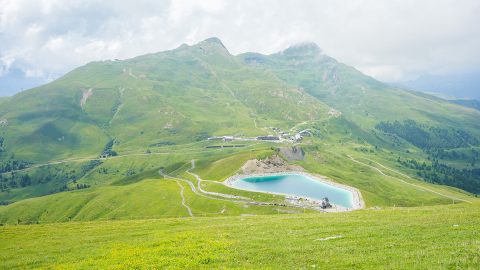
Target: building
<point x="268" y="138"/>
<point x="223" y="138"/>
<point x="305" y="133"/>
<point x="228" y="138"/>
<point x="215" y="138"/>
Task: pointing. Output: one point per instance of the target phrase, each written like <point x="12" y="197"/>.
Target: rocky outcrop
<point x="292" y="153"/>
<point x="271" y="164"/>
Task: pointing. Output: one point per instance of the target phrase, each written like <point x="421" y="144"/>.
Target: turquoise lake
<point x="296" y="185"/>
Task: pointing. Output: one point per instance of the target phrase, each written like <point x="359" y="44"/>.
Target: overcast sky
<point x="389" y="40"/>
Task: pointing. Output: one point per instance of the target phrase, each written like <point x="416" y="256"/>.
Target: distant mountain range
<point x="461" y="86"/>
<point x="181" y="97"/>
<point x="471" y="103"/>
<point x="15" y="81"/>
<point x="195" y="91"/>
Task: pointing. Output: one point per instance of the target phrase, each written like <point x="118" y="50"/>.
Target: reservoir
<point x="296" y="185"/>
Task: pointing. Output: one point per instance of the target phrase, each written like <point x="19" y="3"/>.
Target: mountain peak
<point x="303" y="48"/>
<point x="214" y="40"/>
<point x="213" y="43"/>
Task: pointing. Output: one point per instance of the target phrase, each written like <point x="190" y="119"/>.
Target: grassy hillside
<point x="441" y="237"/>
<point x="150" y="198"/>
<point x="360" y="98"/>
<point x="171" y="97"/>
<point x="154" y="113"/>
<point x="119" y="170"/>
<point x="157" y="200"/>
<point x="470" y="103"/>
<point x="147" y="194"/>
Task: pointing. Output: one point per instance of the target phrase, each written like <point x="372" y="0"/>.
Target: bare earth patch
<point x="272" y="164"/>
<point x="86" y="94"/>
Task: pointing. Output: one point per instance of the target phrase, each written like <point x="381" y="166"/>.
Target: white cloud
<point x="383" y="72"/>
<point x="34" y="73"/>
<point x="6" y="61"/>
<point x="55" y="43"/>
<point x="390" y="40"/>
<point x="32" y="31"/>
<point x="182" y="9"/>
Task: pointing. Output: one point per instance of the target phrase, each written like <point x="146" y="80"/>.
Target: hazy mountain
<point x="173" y="96"/>
<point x="176" y="99"/>
<point x="461" y="86"/>
<point x="201" y="90"/>
<point x="15" y="81"/>
<point x="471" y="103"/>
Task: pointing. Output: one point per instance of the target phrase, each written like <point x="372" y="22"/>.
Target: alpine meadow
<point x="199" y="158"/>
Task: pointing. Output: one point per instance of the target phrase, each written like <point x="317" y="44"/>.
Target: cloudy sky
<point x="390" y="40"/>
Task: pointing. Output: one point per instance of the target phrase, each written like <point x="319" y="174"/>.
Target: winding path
<point x="127" y="154"/>
<point x="183" y="199"/>
<point x="195" y="190"/>
<point x="225" y="197"/>
<point x="83" y="159"/>
<point x="120" y="104"/>
<point x="199" y="186"/>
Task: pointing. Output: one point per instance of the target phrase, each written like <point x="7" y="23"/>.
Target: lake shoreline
<point x="357" y="200"/>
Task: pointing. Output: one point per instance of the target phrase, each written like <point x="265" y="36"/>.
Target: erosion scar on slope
<point x="86" y="94"/>
<point x="120" y="104"/>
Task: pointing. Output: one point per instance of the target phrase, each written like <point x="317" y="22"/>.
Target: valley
<point x="136" y="159"/>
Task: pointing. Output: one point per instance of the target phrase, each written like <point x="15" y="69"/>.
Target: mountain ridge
<point x="181" y="97"/>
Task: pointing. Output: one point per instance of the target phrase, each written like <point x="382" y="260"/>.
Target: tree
<point x="25" y="180"/>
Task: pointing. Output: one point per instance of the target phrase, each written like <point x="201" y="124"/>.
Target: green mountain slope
<point x="177" y="96"/>
<point x="470" y="103"/>
<point x="156" y="111"/>
<point x="149" y="195"/>
<point x="359" y="97"/>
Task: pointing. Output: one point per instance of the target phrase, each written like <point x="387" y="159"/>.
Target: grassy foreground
<point x="435" y="237"/>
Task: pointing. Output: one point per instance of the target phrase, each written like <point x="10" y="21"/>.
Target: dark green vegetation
<point x="11" y="164"/>
<point x="115" y="140"/>
<point x="437" y="142"/>
<point x="171" y="102"/>
<point x="436" y="237"/>
<point x="427" y="137"/>
<point x="166" y="101"/>
<point x="446" y="175"/>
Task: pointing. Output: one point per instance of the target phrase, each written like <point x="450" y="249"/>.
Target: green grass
<point x="117" y="196"/>
<point x="178" y="97"/>
<point x="204" y="207"/>
<point x="150" y="174"/>
<point x="257" y="196"/>
<point x="220" y="170"/>
<point x="147" y="198"/>
<point x="376" y="189"/>
<point x="440" y="237"/>
<point x="167" y="103"/>
<point x="122" y="170"/>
